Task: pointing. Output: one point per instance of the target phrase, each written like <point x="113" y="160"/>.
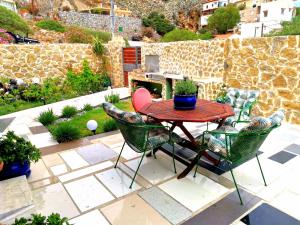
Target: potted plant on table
<point x="16" y="154"/>
<point x="185" y="96"/>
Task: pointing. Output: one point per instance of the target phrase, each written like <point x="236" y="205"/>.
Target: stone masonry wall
<point x="102" y="22"/>
<point x="44" y="60"/>
<point x="270" y="64"/>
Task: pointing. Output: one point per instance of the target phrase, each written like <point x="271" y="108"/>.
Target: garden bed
<point x="79" y="121"/>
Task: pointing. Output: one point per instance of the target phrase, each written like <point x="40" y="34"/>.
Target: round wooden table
<point x="205" y="111"/>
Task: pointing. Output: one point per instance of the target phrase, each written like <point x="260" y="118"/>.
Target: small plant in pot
<point x="16" y="154"/>
<point x="185" y="96"/>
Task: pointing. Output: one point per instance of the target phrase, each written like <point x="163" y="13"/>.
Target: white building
<point x="9" y="4"/>
<point x="208" y="8"/>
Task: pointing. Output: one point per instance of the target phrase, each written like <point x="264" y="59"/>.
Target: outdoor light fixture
<point x="92" y="125"/>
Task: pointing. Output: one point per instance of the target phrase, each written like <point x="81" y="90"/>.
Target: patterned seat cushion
<point x="158" y="137"/>
<point x="116" y="113"/>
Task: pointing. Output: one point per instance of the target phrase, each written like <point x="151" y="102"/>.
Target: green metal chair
<point x="139" y="136"/>
<point x="237" y="147"/>
<point x="242" y="101"/>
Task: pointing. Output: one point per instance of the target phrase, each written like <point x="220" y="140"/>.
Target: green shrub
<point x="224" y="18"/>
<point x="242" y="6"/>
<point x="17" y="149"/>
<point x="65" y="132"/>
<point x="47" y="117"/>
<point x="50" y="25"/>
<point x="51" y="90"/>
<point x="102" y="35"/>
<point x="69" y="111"/>
<point x="112" y="98"/>
<point x="297" y="11"/>
<point x="33" y="93"/>
<point x="12" y="22"/>
<point x="87" y="107"/>
<point x="109" y="125"/>
<point x="185" y="87"/>
<point x="98" y="47"/>
<point x="158" y="22"/>
<point x="288" y="28"/>
<point x="38" y="219"/>
<point x="83" y="35"/>
<point x="184" y="35"/>
<point x="84" y="82"/>
<point x="105" y="80"/>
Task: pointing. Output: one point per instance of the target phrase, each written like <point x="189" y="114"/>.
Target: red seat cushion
<point x="140" y="98"/>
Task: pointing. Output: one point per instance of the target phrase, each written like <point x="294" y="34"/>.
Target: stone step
<point x="15" y="199"/>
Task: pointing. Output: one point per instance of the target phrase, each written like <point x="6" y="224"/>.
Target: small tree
<point x="224" y="18"/>
<point x="158" y="22"/>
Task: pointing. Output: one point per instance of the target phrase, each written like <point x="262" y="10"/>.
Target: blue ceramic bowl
<point x="15" y="169"/>
<point x="185" y="102"/>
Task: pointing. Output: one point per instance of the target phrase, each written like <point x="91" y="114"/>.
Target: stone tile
<point x="127" y="153"/>
<point x="73" y="159"/>
<point x="266" y="214"/>
<point x="38" y="129"/>
<point x="165" y="205"/>
<point x="54" y="198"/>
<point x="4" y="123"/>
<point x="225" y="211"/>
<point x="249" y="177"/>
<point x="96" y="153"/>
<point x="134" y="211"/>
<point x="20" y="129"/>
<point x="155" y="170"/>
<point x="112" y="140"/>
<point x="92" y="218"/>
<point x="52" y="160"/>
<point x="39" y="184"/>
<point x="88" y="193"/>
<point x="85" y="171"/>
<point x="15" y="194"/>
<point x="42" y="140"/>
<point x="38" y="171"/>
<point x="288" y="202"/>
<point x="282" y="157"/>
<point x="194" y="193"/>
<point x="59" y="169"/>
<point x="64" y="146"/>
<point x="117" y="182"/>
<point x="293" y="148"/>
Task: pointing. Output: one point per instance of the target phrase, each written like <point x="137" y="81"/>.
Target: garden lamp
<point x="92" y="125"/>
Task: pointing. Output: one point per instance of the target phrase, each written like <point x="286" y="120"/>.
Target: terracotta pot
<point x="1" y="166"/>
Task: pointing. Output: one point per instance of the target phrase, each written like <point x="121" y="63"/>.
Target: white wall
<point x="9" y="5"/>
<point x="204" y="20"/>
<point x="277" y="11"/>
<point x="210" y="5"/>
<point x="249" y="30"/>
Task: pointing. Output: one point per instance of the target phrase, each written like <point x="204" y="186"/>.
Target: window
<point x="265" y="13"/>
<point x="282" y="11"/>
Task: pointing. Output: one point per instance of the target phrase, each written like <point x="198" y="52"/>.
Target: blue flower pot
<point x="15" y="169"/>
<point x="185" y="102"/>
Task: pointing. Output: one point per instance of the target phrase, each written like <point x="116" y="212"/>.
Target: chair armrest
<point x="149" y="127"/>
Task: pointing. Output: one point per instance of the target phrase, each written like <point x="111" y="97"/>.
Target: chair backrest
<point x="248" y="141"/>
<point x="239" y="98"/>
<point x="140" y="98"/>
<point x="131" y="126"/>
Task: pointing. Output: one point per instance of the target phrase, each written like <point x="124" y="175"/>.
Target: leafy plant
<point x="84" y="82"/>
<point x="112" y="98"/>
<point x="38" y="219"/>
<point x="289" y="28"/>
<point x="47" y="117"/>
<point x="98" y="47"/>
<point x="109" y="125"/>
<point x="158" y="22"/>
<point x="83" y="35"/>
<point x="224" y="18"/>
<point x="184" y="35"/>
<point x="33" y="93"/>
<point x="222" y="95"/>
<point x="51" y="89"/>
<point x="105" y="80"/>
<point x="12" y="22"/>
<point x="185" y="87"/>
<point x="50" y="25"/>
<point x="65" y="132"/>
<point x="17" y="149"/>
<point x="87" y="107"/>
<point x="69" y="111"/>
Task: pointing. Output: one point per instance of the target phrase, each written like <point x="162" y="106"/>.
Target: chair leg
<point x="137" y="170"/>
<point x="120" y="154"/>
<point x="237" y="189"/>
<point x="262" y="174"/>
<point x="174" y="158"/>
<point x="197" y="164"/>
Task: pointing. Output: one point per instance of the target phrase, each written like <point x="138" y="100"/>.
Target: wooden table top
<point x="205" y="111"/>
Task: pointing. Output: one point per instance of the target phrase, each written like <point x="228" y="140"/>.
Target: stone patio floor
<point x="78" y="181"/>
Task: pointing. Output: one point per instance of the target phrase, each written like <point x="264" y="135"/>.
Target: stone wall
<point x="102" y="22"/>
<point x="270" y="64"/>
